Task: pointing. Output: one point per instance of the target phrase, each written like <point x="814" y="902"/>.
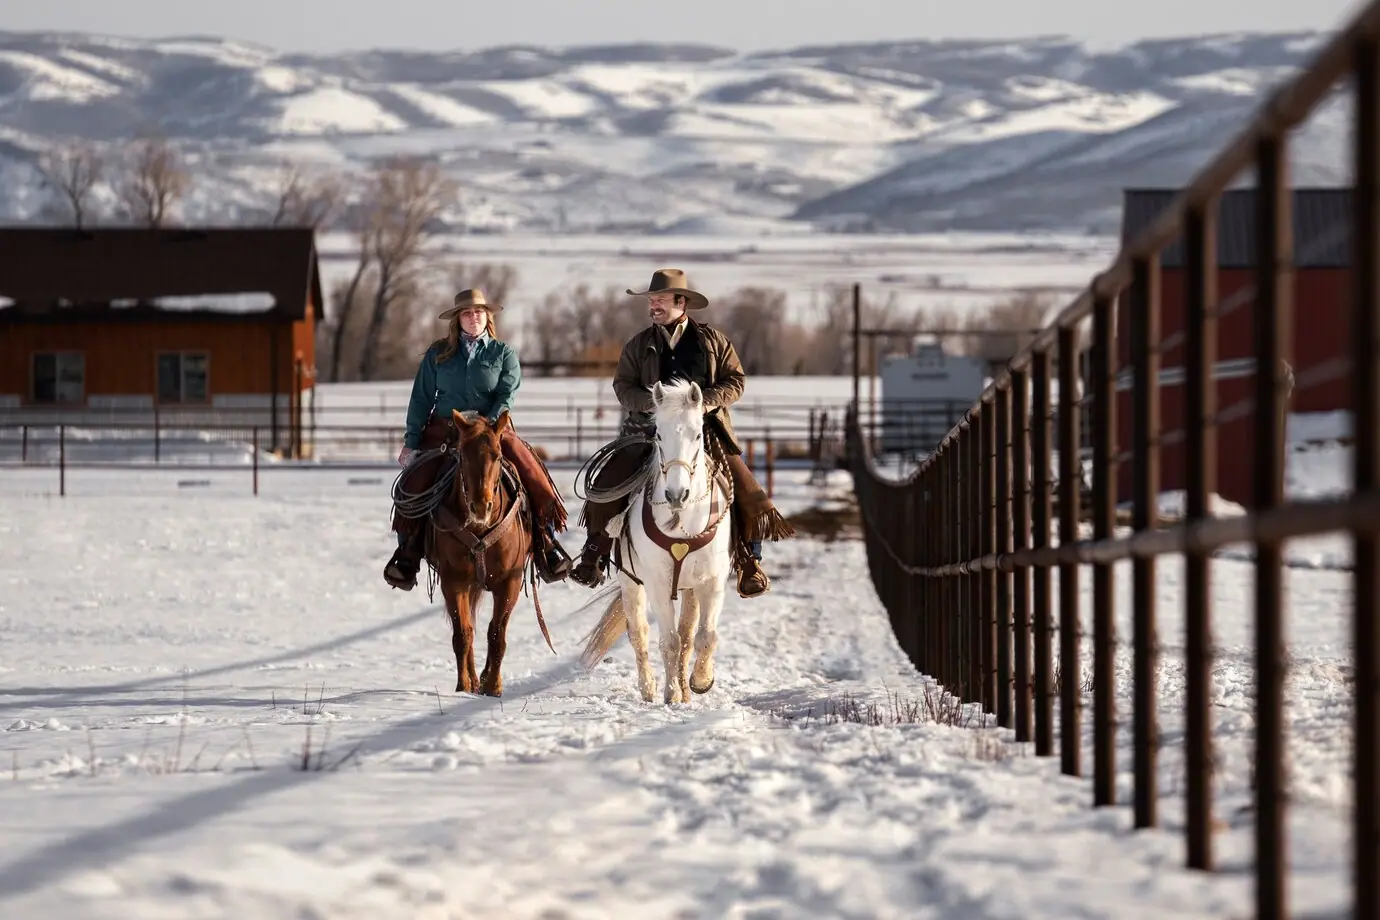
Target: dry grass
<point x="829" y="523"/>
<point x="935" y="706"/>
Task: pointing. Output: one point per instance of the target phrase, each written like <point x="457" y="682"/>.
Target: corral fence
<point x="67" y="450"/>
<point x="961" y="551"/>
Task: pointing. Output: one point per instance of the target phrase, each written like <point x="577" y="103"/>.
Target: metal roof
<point x="49" y="271"/>
<point x="1322" y="226"/>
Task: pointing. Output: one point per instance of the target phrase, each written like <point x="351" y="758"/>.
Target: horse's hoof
<point x="706" y="689"/>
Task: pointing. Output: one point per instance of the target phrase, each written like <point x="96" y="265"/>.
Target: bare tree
<point x="998" y="333"/>
<point x="408" y="196"/>
<point x="945" y="325"/>
<point x="831" y="345"/>
<point x="495" y="280"/>
<point x="547" y="331"/>
<point x="307" y="202"/>
<point x="72" y="170"/>
<point x="754" y="319"/>
<point x="155" y="183"/>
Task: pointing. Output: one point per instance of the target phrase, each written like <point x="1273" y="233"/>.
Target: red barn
<point x="118" y="326"/>
<point x="1322" y="293"/>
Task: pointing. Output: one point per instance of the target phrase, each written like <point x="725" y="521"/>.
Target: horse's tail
<point x="611" y="626"/>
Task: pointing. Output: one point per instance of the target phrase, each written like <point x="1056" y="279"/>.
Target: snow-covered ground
<point x="959" y="271"/>
<point x="171" y="655"/>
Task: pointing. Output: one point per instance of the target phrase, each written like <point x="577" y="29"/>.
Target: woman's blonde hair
<point x="451" y="343"/>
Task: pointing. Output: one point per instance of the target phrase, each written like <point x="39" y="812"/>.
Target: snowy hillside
<point x="905" y="136"/>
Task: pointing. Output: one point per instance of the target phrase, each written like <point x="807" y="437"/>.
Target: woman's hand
<point x="405" y="456"/>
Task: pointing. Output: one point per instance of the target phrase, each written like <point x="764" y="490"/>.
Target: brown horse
<point x="481" y="541"/>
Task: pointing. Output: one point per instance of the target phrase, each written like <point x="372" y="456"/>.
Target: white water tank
<point x="924" y="394"/>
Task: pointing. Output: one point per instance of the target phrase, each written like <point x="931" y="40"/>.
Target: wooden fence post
<point x="771" y="466"/>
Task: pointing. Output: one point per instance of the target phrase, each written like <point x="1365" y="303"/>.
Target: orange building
<point x="185" y="326"/>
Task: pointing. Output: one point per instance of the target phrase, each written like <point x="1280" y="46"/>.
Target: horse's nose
<point x="677" y="497"/>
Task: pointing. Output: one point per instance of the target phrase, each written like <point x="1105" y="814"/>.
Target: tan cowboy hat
<point x="673" y="281"/>
<point x="471" y="298"/>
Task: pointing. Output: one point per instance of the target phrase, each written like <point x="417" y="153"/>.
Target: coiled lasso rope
<point x="414" y="505"/>
<point x="589" y="471"/>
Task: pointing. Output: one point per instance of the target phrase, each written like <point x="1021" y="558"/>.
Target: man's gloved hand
<point x="405" y="456"/>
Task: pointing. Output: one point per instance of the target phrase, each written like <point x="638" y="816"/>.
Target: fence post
<point x="987" y="545"/>
<point x="1200" y="430"/>
<point x="1042" y="513"/>
<point x="1020" y="593"/>
<point x="1070" y="479"/>
<point x="1103" y="420"/>
<point x="157" y="435"/>
<point x="1272" y="320"/>
<point x="255" y="457"/>
<point x="1002" y="443"/>
<point x="62" y="460"/>
<point x="23" y="443"/>
<point x="972" y="472"/>
<point x="770" y="450"/>
<point x="1365" y="481"/>
<point x="1145" y="356"/>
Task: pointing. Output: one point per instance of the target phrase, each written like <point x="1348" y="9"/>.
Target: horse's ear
<point x="462" y="424"/>
<point x="505" y="421"/>
<point x="658" y="393"/>
<point x="696" y="394"/>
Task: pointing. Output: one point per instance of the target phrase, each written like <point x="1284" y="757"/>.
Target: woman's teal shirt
<point x="485" y="382"/>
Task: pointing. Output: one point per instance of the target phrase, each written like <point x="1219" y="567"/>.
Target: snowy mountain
<point x="905" y="136"/>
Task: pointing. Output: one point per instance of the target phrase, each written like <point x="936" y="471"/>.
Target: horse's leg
<point x="461" y="634"/>
<point x="689" y="620"/>
<point x="665" y="610"/>
<point x="505" y="599"/>
<point x="475" y="595"/>
<point x="707" y="637"/>
<point x="635" y="610"/>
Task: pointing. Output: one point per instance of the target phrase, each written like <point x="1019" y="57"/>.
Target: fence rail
<point x="961" y="551"/>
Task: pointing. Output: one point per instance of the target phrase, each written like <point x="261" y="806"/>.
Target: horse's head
<point x="477" y="481"/>
<point x="679" y="438"/>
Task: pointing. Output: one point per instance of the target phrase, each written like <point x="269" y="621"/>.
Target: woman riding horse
<point x="471" y="370"/>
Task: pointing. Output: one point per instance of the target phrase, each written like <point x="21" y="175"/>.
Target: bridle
<point x="462" y="493"/>
<point x="680" y="547"/>
<point x="690" y="466"/>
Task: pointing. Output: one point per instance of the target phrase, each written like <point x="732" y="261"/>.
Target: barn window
<point x="182" y="377"/>
<point x="59" y="377"/>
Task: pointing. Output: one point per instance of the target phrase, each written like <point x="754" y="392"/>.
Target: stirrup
<point x="401" y="570"/>
<point x="744" y="574"/>
<point x="599" y="567"/>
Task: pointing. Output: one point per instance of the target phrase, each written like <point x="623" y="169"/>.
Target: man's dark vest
<point x="687" y="361"/>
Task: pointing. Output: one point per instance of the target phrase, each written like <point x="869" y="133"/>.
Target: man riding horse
<point x="676" y="346"/>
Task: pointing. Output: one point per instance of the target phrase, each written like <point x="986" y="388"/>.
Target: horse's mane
<point x="676" y="396"/>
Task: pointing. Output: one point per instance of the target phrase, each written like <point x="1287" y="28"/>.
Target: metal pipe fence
<point x="961" y="551"/>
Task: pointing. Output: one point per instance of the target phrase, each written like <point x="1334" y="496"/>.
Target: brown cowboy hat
<point x="471" y="298"/>
<point x="673" y="281"/>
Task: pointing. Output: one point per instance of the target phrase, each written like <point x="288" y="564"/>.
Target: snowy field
<point x="172" y="657"/>
<point x="954" y="270"/>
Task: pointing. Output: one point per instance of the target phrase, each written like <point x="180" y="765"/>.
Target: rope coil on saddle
<point x="414" y="505"/>
<point x="589" y="471"/>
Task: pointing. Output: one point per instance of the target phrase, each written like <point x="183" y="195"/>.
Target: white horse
<point x="673" y="539"/>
